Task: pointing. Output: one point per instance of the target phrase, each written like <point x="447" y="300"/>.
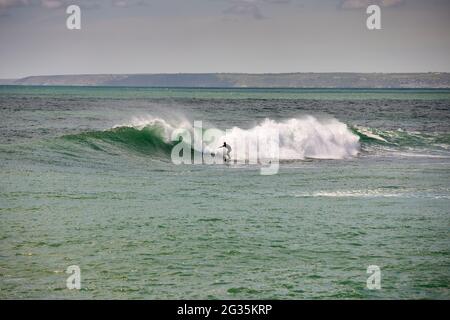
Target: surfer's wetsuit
<point x="225" y="145"/>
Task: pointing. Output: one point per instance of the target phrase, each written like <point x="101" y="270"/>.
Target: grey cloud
<point x="359" y="4"/>
<point x="127" y="3"/>
<point x="245" y="8"/>
<point x="6" y="5"/>
<point x="10" y="4"/>
<point x="251" y="8"/>
<point x="277" y="1"/>
<point x="51" y="4"/>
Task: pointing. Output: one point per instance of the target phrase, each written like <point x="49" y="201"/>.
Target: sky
<point x="248" y="36"/>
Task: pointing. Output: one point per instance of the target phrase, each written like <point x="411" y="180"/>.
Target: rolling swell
<point x="148" y="140"/>
<point x="401" y="139"/>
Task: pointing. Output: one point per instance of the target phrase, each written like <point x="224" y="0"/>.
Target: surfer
<point x="227" y="156"/>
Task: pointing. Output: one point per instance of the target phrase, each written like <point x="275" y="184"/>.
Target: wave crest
<point x="300" y="138"/>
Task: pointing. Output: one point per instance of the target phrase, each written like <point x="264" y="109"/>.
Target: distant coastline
<point x="438" y="80"/>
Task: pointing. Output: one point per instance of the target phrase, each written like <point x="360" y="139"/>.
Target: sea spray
<point x="301" y="138"/>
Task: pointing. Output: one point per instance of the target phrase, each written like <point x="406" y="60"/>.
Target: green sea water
<point x="87" y="180"/>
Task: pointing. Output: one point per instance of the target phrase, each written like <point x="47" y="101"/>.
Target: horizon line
<point x="240" y="73"/>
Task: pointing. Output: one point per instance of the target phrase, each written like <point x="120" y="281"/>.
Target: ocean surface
<point x="87" y="179"/>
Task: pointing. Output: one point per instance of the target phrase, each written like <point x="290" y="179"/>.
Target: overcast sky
<point x="170" y="36"/>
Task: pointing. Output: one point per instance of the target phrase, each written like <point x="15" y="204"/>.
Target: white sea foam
<point x="300" y="138"/>
<point x="373" y="193"/>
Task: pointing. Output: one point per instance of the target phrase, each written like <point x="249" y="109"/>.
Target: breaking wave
<point x="297" y="138"/>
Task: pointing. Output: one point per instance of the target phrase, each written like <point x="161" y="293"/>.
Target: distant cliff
<point x="242" y="80"/>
